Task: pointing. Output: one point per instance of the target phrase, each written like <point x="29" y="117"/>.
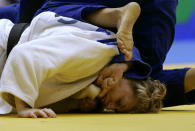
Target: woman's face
<point x="120" y="99"/>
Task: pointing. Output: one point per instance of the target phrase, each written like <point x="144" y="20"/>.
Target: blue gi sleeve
<point x="139" y="69"/>
<point x="10" y="12"/>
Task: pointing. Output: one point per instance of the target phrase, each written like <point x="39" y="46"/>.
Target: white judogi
<point x="55" y="58"/>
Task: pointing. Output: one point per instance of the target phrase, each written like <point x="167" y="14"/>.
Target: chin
<point x="123" y="111"/>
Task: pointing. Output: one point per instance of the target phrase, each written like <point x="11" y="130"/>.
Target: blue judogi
<point x="153" y="36"/>
<point x="10" y="12"/>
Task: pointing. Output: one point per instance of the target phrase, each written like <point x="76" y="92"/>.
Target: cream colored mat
<point x="181" y="118"/>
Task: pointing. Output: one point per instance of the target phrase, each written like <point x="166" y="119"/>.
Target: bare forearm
<point x="124" y="66"/>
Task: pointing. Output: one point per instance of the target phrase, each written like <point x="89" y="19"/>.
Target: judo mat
<point x="180" y="118"/>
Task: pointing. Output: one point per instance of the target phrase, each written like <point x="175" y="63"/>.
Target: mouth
<point x="108" y="110"/>
<point x="105" y="109"/>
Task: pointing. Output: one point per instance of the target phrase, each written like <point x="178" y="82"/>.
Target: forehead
<point x="125" y="90"/>
<point x="126" y="86"/>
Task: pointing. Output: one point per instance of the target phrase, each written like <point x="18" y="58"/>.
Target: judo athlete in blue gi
<point x="127" y="96"/>
<point x="153" y="35"/>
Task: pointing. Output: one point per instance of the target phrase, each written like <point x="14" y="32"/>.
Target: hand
<point x="35" y="113"/>
<point x="24" y="110"/>
<point x="110" y="76"/>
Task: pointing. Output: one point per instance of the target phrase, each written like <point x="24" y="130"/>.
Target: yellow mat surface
<point x="180" y="118"/>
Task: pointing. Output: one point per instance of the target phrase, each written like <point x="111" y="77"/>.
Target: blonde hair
<point x="149" y="94"/>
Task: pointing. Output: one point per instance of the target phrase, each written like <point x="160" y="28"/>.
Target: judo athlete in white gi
<point x="55" y="58"/>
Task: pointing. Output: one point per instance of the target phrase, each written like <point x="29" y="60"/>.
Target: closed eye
<point x="119" y="102"/>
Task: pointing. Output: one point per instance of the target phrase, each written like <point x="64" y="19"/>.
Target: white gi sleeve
<point x="5" y="28"/>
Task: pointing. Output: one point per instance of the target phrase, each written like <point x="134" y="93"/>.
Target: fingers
<point x="103" y="93"/>
<point x="107" y="85"/>
<point x="107" y="73"/>
<point x="111" y="82"/>
<point x="109" y="78"/>
<point x="103" y="75"/>
<point x="100" y="79"/>
<point x="37" y="113"/>
<point x="49" y="112"/>
<point x="32" y="115"/>
<point x="41" y="113"/>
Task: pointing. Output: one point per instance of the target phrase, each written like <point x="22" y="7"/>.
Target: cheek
<point x="110" y="98"/>
<point x="106" y="99"/>
<point x="128" y="104"/>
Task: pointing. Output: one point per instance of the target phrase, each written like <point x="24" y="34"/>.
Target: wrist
<point x="125" y="66"/>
